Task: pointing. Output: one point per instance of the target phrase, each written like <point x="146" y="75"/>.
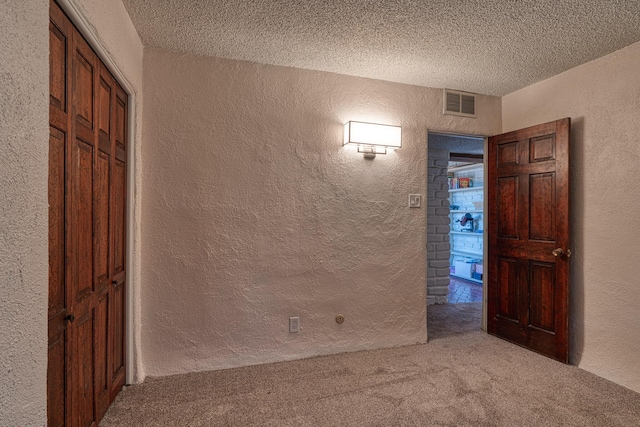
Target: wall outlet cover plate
<point x="414" y="200"/>
<point x="294" y="325"/>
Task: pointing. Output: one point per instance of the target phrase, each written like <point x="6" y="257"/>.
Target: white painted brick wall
<point x="438" y="245"/>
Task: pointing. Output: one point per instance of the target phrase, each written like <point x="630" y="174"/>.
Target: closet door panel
<point x="119" y="193"/>
<point x="102" y="380"/>
<point x="84" y="396"/>
<point x="83" y="182"/>
<point x="119" y="182"/>
<point x="101" y="262"/>
<point x="56" y="382"/>
<point x="58" y="47"/>
<point x="118" y="332"/>
<point x="121" y="119"/>
<point x="83" y="81"/>
<point x="82" y="219"/>
<point x="104" y="106"/>
<point x="57" y="141"/>
<point x="102" y="182"/>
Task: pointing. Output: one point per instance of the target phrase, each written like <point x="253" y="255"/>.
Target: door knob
<point x="557" y="252"/>
<point x="70" y="317"/>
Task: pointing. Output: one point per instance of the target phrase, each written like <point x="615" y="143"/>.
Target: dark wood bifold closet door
<point x="528" y="286"/>
<point x="87" y="181"/>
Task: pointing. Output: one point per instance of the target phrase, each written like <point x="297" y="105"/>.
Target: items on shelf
<point x="455" y="183"/>
<point x="468" y="268"/>
<point x="466" y="221"/>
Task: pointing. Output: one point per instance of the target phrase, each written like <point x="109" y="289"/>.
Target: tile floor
<point x="462" y="291"/>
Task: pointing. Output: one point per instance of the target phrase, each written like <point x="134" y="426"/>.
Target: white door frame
<point x="485" y="241"/>
<point x="77" y="17"/>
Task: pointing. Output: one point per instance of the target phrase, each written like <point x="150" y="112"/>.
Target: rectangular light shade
<point x="361" y="133"/>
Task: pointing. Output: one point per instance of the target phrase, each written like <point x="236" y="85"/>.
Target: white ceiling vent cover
<point x="459" y="103"/>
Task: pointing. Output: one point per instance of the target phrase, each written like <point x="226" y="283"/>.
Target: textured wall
<point x="438" y="227"/>
<point x="603" y="100"/>
<point x="24" y="81"/>
<point x="254" y="212"/>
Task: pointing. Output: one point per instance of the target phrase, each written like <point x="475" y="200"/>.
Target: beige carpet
<point x="462" y="377"/>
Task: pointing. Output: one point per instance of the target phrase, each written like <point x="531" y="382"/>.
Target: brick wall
<point x="438" y="247"/>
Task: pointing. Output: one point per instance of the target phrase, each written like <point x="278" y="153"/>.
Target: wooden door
<point x="86" y="230"/>
<point x="528" y="207"/>
<point x="117" y="275"/>
<point x="60" y="45"/>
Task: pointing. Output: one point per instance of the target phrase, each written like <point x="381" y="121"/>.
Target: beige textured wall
<point x="602" y="98"/>
<point x="24" y="84"/>
<point x="254" y="212"/>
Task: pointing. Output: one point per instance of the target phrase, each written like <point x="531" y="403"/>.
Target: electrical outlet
<point x="414" y="200"/>
<point x="294" y="325"/>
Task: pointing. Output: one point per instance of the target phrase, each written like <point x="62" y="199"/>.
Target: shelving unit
<point x="458" y="190"/>
<point x="467" y="254"/>
<point x="467" y="246"/>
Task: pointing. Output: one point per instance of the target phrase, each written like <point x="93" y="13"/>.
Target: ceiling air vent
<point x="459" y="103"/>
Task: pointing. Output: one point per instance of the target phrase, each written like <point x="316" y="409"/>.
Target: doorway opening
<point x="465" y="179"/>
<point x="455" y="230"/>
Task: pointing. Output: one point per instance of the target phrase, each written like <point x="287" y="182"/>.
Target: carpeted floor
<point x="462" y="377"/>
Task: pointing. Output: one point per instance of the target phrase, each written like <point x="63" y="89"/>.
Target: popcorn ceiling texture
<point x="491" y="46"/>
<point x="24" y="83"/>
<point x="602" y="99"/>
<point x="255" y="212"/>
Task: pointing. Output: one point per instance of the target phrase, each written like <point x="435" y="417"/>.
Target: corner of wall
<point x="601" y="98"/>
<point x="24" y="211"/>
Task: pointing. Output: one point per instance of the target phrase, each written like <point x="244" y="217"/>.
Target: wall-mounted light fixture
<point x="372" y="138"/>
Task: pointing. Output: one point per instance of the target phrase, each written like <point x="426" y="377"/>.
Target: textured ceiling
<point x="483" y="46"/>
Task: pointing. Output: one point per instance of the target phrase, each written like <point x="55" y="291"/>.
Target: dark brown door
<point x="87" y="179"/>
<point x="60" y="44"/>
<point x="528" y="204"/>
<point x="117" y="271"/>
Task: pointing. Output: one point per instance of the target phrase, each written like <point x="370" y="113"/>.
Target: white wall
<point x="602" y="98"/>
<point x="254" y="212"/>
<point x="24" y="82"/>
<point x="24" y="100"/>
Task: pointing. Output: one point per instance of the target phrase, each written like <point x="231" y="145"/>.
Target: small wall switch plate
<point x="415" y="200"/>
<point x="294" y="325"/>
